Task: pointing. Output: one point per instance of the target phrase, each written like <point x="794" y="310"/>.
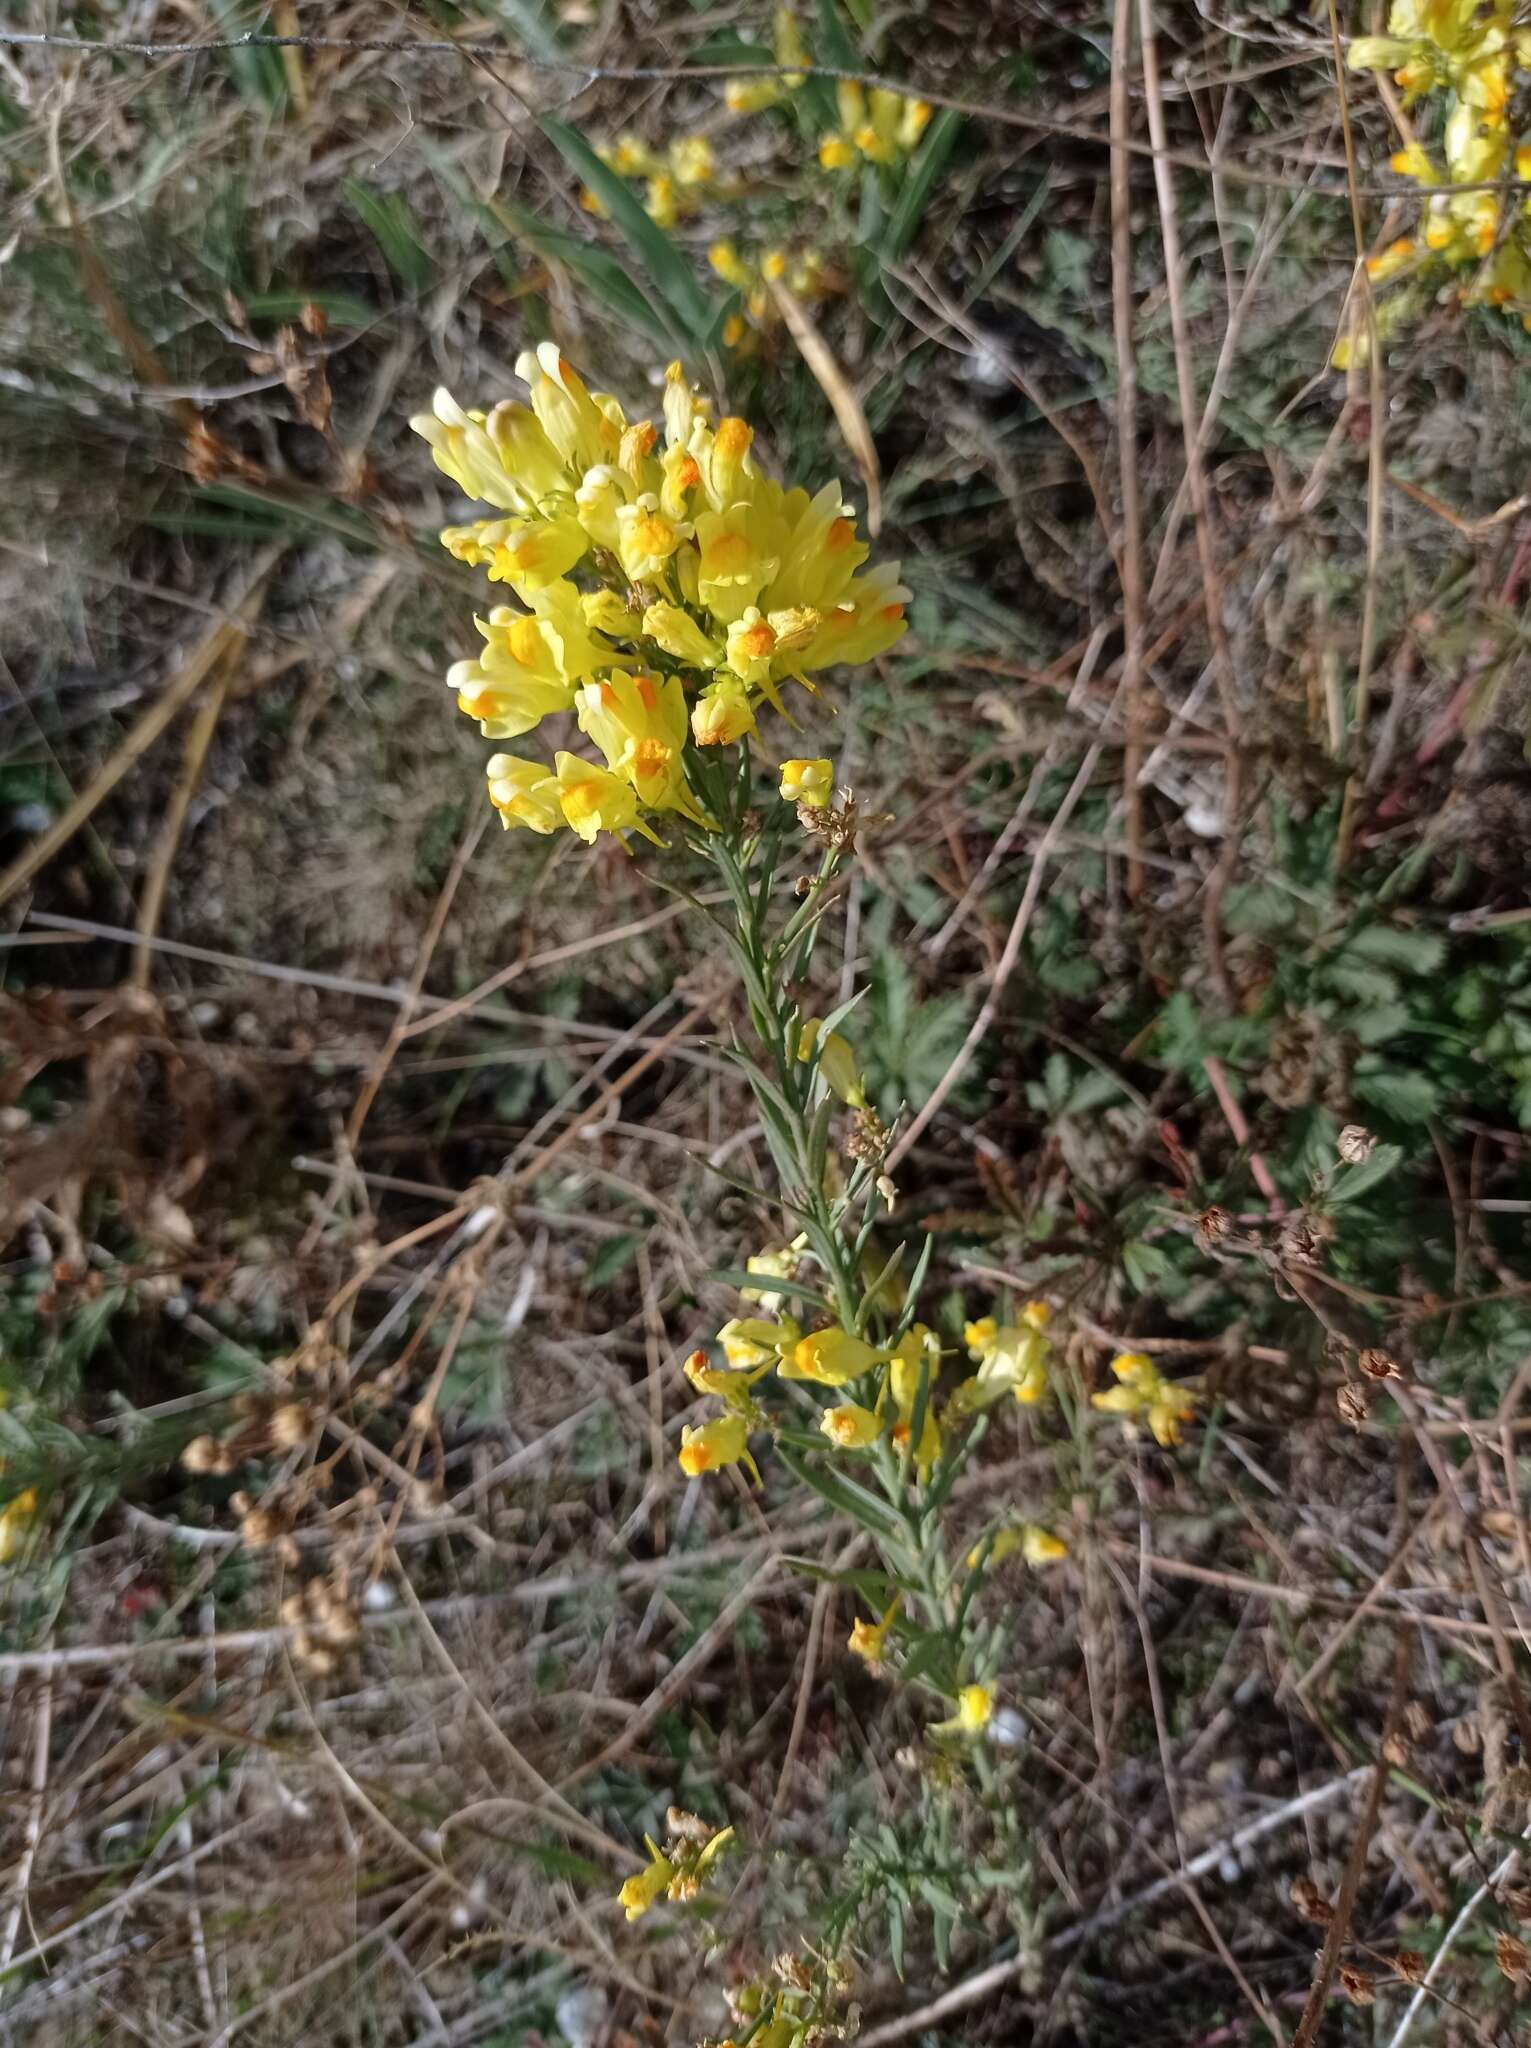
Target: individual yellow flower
<point x="832" y="1357"/>
<point x="640" y="1892"/>
<point x="16" y="1518"/>
<point x="753" y="95"/>
<point x="835" y="153"/>
<point x="851" y="1427"/>
<point x="707" y="1446"/>
<point x="835" y="1060"/>
<point x="639" y="723"/>
<point x="1037" y="1545"/>
<point x="731" y="1387"/>
<point x="975" y="1708"/>
<point x="869" y="1640"/>
<point x="780" y="1265"/>
<point x="1011" y="1357"/>
<point x="917" y="1353"/>
<point x="524" y="793"/>
<point x="807" y="782"/>
<point x="1142" y="1390"/>
<point x="1398" y="255"/>
<point x="722" y="714"/>
<point x="594" y="800"/>
<point x="753" y="1341"/>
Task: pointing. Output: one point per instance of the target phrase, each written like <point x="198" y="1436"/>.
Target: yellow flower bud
<point x="975" y="1708"/>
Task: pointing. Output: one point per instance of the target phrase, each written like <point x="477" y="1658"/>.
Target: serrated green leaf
<point x="1407" y="1094"/>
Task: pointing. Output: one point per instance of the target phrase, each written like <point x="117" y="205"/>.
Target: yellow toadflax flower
<point x="1142" y="1390"/>
<point x="1037" y="1545"/>
<point x="16" y="1518"/>
<point x="881" y="126"/>
<point x="640" y="1892"/>
<point x="869" y="1640"/>
<point x="707" y="1446"/>
<point x="975" y="1708"/>
<point x="807" y="782"/>
<point x="703" y="561"/>
<point x="835" y="1060"/>
<point x="850" y="1426"/>
<point x="1011" y="1357"/>
<point x="832" y="1357"/>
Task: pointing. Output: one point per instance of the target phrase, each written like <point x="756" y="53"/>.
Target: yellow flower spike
<point x="1141" y="1390"/>
<point x="836" y="1062"/>
<point x="1012" y="1359"/>
<point x="850" y="1427"/>
<point x="835" y="153"/>
<point x="722" y="714"/>
<point x="524" y="793"/>
<point x="1040" y="1546"/>
<point x="832" y="1357"/>
<point x="708" y="1446"/>
<point x="594" y="800"/>
<point x="975" y="1709"/>
<point x="640" y="1892"/>
<point x="869" y="1640"/>
<point x="807" y="782"/>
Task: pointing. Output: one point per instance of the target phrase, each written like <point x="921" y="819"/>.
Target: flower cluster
<point x="802" y="275"/>
<point x="879" y="127"/>
<point x="1471" y="52"/>
<point x="707" y="587"/>
<point x="673" y="183"/>
<point x="1142" y="1389"/>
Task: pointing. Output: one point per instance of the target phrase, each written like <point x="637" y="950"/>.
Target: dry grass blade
<point x="834" y="384"/>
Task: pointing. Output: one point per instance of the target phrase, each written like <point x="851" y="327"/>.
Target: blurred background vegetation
<point x="384" y="1153"/>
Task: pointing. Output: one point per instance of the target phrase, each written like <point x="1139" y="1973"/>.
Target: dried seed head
<point x="1213" y="1225"/>
<point x="1395" y="1749"/>
<point x="293" y="1609"/>
<point x="319" y="1661"/>
<point x="688" y="1827"/>
<point x="1359" y="1986"/>
<point x="1516" y="1900"/>
<point x="1355" y="1143"/>
<point x="794" y="1971"/>
<point x="201" y="1454"/>
<point x="290" y="1424"/>
<point x="1512" y="1956"/>
<point x="1310" y="1902"/>
<point x="1377" y="1365"/>
<point x="340" y="1625"/>
<point x="1410" y="1965"/>
<point x="1302" y="1239"/>
<point x="1353" y="1403"/>
<point x="1466" y="1735"/>
<point x="1417" y="1721"/>
<point x="259" y="1527"/>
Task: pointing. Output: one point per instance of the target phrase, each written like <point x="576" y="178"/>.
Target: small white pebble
<point x="479" y="1221"/>
<point x="1007" y="1730"/>
<point x="1205" y="820"/>
<point x="1230" y="1870"/>
<point x="378" y="1596"/>
<point x="580" y="2015"/>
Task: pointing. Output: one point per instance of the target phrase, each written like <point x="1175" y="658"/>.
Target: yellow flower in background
<point x="880" y="126"/>
<point x="1037" y="1545"/>
<point x="1011" y="1357"/>
<point x="16" y="1519"/>
<point x="869" y="1640"/>
<point x="975" y="1708"/>
<point x="851" y="1427"/>
<point x="640" y="1892"/>
<point x="807" y="782"/>
<point x="780" y="1265"/>
<point x="708" y="1446"/>
<point x="836" y="1062"/>
<point x="1142" y="1390"/>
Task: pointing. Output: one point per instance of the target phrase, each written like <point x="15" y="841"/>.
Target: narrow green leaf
<point x="925" y="167"/>
<point x="671" y="273"/>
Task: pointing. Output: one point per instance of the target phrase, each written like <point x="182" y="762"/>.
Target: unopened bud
<point x="1377" y="1365"/>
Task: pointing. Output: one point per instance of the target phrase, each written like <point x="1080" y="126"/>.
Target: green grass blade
<point x="671" y="273"/>
<point x="925" y="167"/>
<point x="391" y="219"/>
<point x="596" y="268"/>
